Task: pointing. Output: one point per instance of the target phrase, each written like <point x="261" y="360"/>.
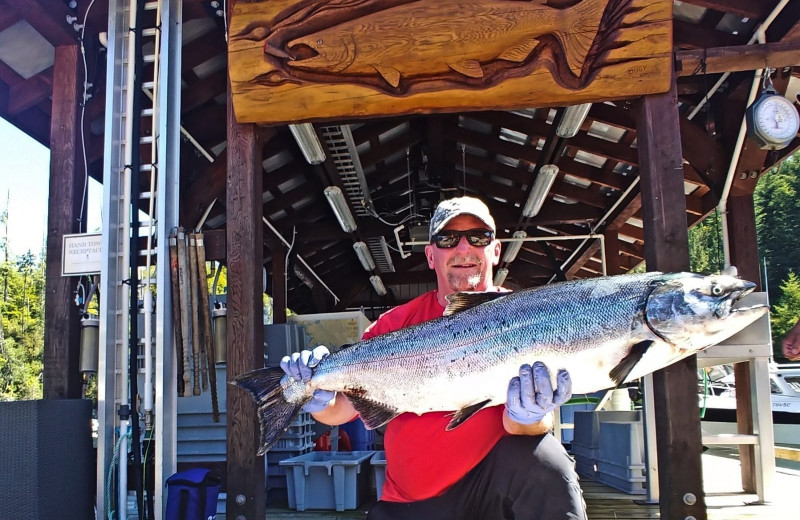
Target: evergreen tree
<point x="785" y="313"/>
<point x="22" y="329"/>
<point x="705" y="246"/>
<point x="777" y="205"/>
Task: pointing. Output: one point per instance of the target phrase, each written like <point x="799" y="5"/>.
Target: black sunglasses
<point x="450" y="238"/>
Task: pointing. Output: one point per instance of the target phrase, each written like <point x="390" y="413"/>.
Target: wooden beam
<point x="48" y="17"/>
<point x="696" y="36"/>
<point x="61" y="379"/>
<point x="738" y="58"/>
<point x="744" y="255"/>
<point x="747" y="8"/>
<point x="412" y="75"/>
<point x="667" y="249"/>
<point x="244" y="241"/>
<point x="30" y="92"/>
<point x="207" y="186"/>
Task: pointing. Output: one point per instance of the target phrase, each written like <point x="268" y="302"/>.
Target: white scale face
<point x="777" y="119"/>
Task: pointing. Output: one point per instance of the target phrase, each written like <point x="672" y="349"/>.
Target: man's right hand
<point x="299" y="366"/>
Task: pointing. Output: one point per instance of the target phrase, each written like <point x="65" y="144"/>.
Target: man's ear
<point x="429" y="255"/>
<point x="497" y="248"/>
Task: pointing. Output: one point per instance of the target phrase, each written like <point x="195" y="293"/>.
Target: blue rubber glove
<point x="299" y="366"/>
<point x="531" y="395"/>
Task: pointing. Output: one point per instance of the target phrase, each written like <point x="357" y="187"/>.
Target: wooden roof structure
<point x="408" y="162"/>
<point x="608" y="182"/>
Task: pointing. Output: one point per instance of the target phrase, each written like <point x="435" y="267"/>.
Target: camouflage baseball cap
<point x="451" y="208"/>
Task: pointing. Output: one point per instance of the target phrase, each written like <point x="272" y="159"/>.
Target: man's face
<point x="464" y="267"/>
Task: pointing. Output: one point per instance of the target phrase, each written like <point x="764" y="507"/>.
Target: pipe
<point x="148" y="355"/>
<point x="122" y="472"/>
<point x="722" y="207"/>
<point x="302" y="261"/>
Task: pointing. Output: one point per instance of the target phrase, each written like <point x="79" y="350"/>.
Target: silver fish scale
<point x="469" y="357"/>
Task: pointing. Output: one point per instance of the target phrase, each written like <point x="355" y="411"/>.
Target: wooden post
<point x="61" y="378"/>
<point x="611" y="243"/>
<point x="743" y="242"/>
<point x="666" y="248"/>
<point x="245" y="252"/>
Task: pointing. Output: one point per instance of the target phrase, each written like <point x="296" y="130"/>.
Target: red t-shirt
<point x="423" y="459"/>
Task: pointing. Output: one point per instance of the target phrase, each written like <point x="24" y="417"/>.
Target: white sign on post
<point x="81" y="254"/>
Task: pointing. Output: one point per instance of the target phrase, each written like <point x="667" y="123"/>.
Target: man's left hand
<point x="531" y="395"/>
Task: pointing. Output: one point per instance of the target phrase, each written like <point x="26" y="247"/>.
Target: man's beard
<point x="465" y="281"/>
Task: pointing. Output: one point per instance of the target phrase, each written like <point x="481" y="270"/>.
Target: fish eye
<point x="716" y="290"/>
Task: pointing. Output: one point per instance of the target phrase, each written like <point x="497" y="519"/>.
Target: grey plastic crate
<point x="585" y="467"/>
<point x="378" y="462"/>
<point x="587" y="424"/>
<point x="633" y="487"/>
<point x="631" y="473"/>
<point x="621" y="443"/>
<point x="325" y="480"/>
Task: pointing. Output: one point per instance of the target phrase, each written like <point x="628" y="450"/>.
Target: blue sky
<point x="24" y="183"/>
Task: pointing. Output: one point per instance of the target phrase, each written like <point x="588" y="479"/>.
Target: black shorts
<point x="522" y="478"/>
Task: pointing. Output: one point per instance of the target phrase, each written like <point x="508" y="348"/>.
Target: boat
<point x="717" y="400"/>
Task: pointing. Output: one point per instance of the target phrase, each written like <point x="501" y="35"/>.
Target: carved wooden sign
<point x="340" y="59"/>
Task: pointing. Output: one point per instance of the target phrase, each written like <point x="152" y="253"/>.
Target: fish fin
<point x="519" y="52"/>
<point x="624" y="367"/>
<point x="373" y="413"/>
<point x="275" y="413"/>
<point x="577" y="38"/>
<point x="466" y="300"/>
<point x="469" y="68"/>
<point x="390" y="74"/>
<point x="462" y="414"/>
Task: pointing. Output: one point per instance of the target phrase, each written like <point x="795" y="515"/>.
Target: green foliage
<point x="705" y="246"/>
<point x="785" y="312"/>
<point x="777" y="204"/>
<point x="21" y="328"/>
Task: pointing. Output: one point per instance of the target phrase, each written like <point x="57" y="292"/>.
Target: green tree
<point x="22" y="329"/>
<point x="705" y="246"/>
<point x="777" y="204"/>
<point x="785" y="312"/>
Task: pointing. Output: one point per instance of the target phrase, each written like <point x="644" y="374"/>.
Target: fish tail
<point x="275" y="412"/>
<point x="578" y="39"/>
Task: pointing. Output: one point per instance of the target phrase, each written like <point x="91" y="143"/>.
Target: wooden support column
<point x="666" y="247"/>
<point x="743" y="242"/>
<point x="611" y="243"/>
<point x="245" y="252"/>
<point x="61" y="378"/>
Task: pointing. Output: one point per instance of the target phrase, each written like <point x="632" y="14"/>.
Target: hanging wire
<point x="464" y="168"/>
<point x="766" y="79"/>
<point x="408" y="177"/>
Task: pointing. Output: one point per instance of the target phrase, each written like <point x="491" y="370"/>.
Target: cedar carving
<point x="322" y="59"/>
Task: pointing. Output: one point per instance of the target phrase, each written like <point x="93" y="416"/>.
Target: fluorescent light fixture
<point x="572" y="119"/>
<point x="362" y="252"/>
<point x="309" y="144"/>
<point x="340" y="208"/>
<point x="500" y="276"/>
<point x="377" y="284"/>
<point x="513" y="247"/>
<point x="541" y="187"/>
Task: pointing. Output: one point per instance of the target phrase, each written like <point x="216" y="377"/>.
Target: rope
<point x="110" y="476"/>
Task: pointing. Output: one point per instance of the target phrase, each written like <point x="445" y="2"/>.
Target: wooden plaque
<point x="321" y="60"/>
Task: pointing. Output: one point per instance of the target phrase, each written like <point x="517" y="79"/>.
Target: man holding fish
<point x="501" y="463"/>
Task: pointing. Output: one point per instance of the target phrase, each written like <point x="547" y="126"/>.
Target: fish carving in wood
<point x="397" y="44"/>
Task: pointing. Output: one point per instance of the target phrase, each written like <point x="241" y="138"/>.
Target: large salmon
<point x="604" y="331"/>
